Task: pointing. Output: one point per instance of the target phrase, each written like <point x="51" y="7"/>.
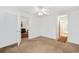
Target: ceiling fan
<point x="40" y="10"/>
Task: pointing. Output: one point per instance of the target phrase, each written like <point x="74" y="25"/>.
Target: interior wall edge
<point x="2" y="46"/>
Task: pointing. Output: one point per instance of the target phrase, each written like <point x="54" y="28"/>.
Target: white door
<point x="19" y="30"/>
<point x="8" y="31"/>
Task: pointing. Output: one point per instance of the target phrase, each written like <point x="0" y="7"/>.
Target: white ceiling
<point x="52" y="9"/>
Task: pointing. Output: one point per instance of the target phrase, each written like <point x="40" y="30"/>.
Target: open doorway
<point x="24" y="28"/>
<point x="62" y="28"/>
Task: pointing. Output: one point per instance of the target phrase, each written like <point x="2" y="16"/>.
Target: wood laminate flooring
<point x="41" y="45"/>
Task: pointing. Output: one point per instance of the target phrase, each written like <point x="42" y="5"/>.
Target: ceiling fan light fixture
<point x="40" y="14"/>
<point x="41" y="11"/>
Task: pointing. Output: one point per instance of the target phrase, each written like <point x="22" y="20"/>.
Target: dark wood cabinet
<point x="24" y="33"/>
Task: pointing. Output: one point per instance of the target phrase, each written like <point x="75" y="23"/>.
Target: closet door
<point x="8" y="29"/>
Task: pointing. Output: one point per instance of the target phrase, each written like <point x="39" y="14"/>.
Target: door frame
<point x="58" y="25"/>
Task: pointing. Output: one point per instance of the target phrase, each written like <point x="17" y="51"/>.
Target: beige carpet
<point x="41" y="45"/>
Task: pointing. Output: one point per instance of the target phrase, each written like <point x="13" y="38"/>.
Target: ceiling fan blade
<point x="45" y="11"/>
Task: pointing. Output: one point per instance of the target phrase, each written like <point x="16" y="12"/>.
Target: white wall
<point x="35" y="27"/>
<point x="38" y="26"/>
<point x="43" y="26"/>
<point x="8" y="29"/>
<point x="49" y="26"/>
<point x="73" y="27"/>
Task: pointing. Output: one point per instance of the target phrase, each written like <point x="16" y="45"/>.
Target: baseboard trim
<point x="32" y="37"/>
<point x="9" y="44"/>
<point x="42" y="36"/>
<point x="49" y="37"/>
